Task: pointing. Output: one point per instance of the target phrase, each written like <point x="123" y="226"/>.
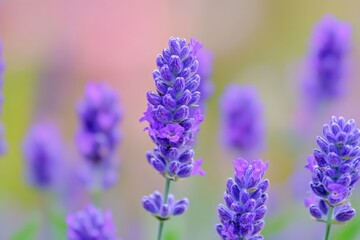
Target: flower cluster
<point x="242" y="122"/>
<point x="335" y="169"/>
<point x="242" y="215"/>
<point x="42" y="154"/>
<point x="90" y="224"/>
<point x="173" y="122"/>
<point x="154" y="203"/>
<point x="99" y="114"/>
<point x="327" y="59"/>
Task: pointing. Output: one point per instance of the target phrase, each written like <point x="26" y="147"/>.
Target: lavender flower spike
<point x="335" y="170"/>
<point x="242" y="121"/>
<point x="42" y="154"/>
<point x="154" y="204"/>
<point x="97" y="139"/>
<point x="90" y="224"/>
<point x="327" y="60"/>
<point x="242" y="215"/>
<point x="173" y="113"/>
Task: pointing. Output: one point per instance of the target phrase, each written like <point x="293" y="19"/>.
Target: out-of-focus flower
<point x="242" y="122"/>
<point x="335" y="170"/>
<point x="327" y="60"/>
<point x="242" y="215"/>
<point x="205" y="70"/>
<point x="42" y="153"/>
<point x="154" y="204"/>
<point x="172" y="125"/>
<point x="90" y="223"/>
<point x="99" y="113"/>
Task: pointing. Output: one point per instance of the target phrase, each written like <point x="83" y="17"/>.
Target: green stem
<point x="165" y="199"/>
<point x="328" y="223"/>
<point x="96" y="197"/>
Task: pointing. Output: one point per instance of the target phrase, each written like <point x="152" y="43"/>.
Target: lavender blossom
<point x="90" y="224"/>
<point x="42" y="154"/>
<point x="335" y="170"/>
<point x="205" y="70"/>
<point x="98" y="136"/>
<point x="242" y="123"/>
<point x="242" y="215"/>
<point x="172" y="123"/>
<point x="154" y="204"/>
<point x="327" y="60"/>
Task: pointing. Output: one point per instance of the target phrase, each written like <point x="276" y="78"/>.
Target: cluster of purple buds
<point x="318" y="208"/>
<point x="242" y="121"/>
<point x="335" y="169"/>
<point x="90" y="223"/>
<point x="242" y="215"/>
<point x="327" y="61"/>
<point x="42" y="154"/>
<point x="154" y="203"/>
<point x="99" y="114"/>
<point x="173" y="114"/>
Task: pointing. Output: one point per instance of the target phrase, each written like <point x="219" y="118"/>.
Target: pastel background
<point x="52" y="48"/>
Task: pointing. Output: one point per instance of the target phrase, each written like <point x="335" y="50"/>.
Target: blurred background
<point x="52" y="48"/>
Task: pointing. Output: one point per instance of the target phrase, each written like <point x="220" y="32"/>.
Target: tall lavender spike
<point x="242" y="215"/>
<point x="174" y="116"/>
<point x="242" y="126"/>
<point x="97" y="139"/>
<point x="90" y="223"/>
<point x="172" y="126"/>
<point x="335" y="170"/>
<point x="327" y="60"/>
<point x="42" y="154"/>
<point x="205" y="70"/>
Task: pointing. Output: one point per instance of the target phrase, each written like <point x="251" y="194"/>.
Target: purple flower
<point x="172" y="111"/>
<point x="197" y="168"/>
<point x="205" y="70"/>
<point x="327" y="60"/>
<point x="90" y="224"/>
<point x="242" y="123"/>
<point x="242" y="215"/>
<point x="42" y="154"/>
<point x="99" y="114"/>
<point x="344" y="212"/>
<point x="335" y="167"/>
<point x="155" y="205"/>
<point x="172" y="132"/>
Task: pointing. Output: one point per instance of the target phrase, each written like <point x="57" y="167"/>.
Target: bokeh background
<point x="52" y="48"/>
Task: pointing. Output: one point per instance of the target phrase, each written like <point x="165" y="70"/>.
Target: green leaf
<point x="347" y="231"/>
<point x="27" y="232"/>
<point x="171" y="234"/>
<point x="59" y="225"/>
